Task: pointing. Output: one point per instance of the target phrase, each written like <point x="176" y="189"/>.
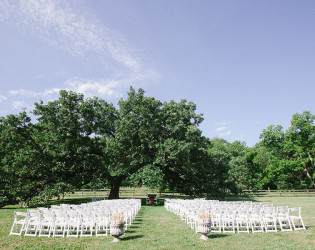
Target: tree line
<point x="75" y="142"/>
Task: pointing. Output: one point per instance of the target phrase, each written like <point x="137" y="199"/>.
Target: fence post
<point x="280" y="193"/>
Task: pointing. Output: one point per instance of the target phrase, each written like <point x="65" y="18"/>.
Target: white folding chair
<point x="73" y="223"/>
<point x="242" y="221"/>
<point x="60" y="224"/>
<point x="46" y="224"/>
<point x="216" y="221"/>
<point x="19" y="223"/>
<point x="102" y="221"/>
<point x="295" y="217"/>
<point x="87" y="224"/>
<point x="256" y="220"/>
<point x="33" y="222"/>
<point x="228" y="221"/>
<point x="283" y="218"/>
<point x="270" y="219"/>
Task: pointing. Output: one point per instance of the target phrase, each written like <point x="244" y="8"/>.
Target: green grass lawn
<point x="156" y="228"/>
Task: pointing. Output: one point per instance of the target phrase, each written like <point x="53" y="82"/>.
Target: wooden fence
<point x="125" y="193"/>
<point x="142" y="193"/>
<point x="279" y="193"/>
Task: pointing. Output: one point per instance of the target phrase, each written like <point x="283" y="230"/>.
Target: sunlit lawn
<point x="156" y="228"/>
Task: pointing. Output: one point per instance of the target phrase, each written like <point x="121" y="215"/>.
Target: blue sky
<point x="246" y="64"/>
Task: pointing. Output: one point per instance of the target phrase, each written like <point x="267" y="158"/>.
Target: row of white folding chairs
<point x="240" y="217"/>
<point x="257" y="219"/>
<point x="177" y="204"/>
<point x="72" y="220"/>
<point x="54" y="221"/>
<point x="180" y="207"/>
<point x="129" y="208"/>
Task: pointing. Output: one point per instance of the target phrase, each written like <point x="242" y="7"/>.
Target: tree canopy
<point x="291" y="152"/>
<point x="76" y="141"/>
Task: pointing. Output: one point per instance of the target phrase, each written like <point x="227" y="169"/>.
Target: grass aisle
<point x="156" y="228"/>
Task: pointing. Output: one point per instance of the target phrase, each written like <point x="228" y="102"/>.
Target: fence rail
<point x="289" y="193"/>
<point x="125" y="193"/>
<point x="141" y="193"/>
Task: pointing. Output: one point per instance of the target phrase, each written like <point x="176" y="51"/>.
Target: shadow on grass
<point x="160" y="201"/>
<point x="131" y="231"/>
<point x="132" y="237"/>
<point x="238" y="199"/>
<point x="214" y="236"/>
<point x="75" y="201"/>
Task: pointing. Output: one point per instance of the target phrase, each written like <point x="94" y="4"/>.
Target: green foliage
<point x="291" y="153"/>
<point x="77" y="142"/>
<point x="21" y="158"/>
<point x="6" y="199"/>
<point x="149" y="176"/>
<point x="237" y="164"/>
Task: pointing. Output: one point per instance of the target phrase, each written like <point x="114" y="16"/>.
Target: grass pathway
<point x="156" y="228"/>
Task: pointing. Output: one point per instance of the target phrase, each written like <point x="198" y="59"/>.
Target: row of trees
<point x="76" y="142"/>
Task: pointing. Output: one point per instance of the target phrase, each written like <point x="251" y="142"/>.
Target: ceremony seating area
<point x="87" y="219"/>
<point x="237" y="216"/>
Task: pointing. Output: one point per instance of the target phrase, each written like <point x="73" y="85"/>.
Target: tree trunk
<point x="115" y="182"/>
<point x="306" y="169"/>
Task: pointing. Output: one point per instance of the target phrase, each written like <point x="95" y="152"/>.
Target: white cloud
<point x="19" y="104"/>
<point x="32" y="94"/>
<point x="5" y="10"/>
<point x="24" y="93"/>
<point x="93" y="87"/>
<point x="60" y="25"/>
<point x="120" y="53"/>
<point x="107" y="87"/>
<point x="226" y="133"/>
<point x="221" y="128"/>
<point x="223" y="123"/>
<point x="3" y="98"/>
<point x="67" y="27"/>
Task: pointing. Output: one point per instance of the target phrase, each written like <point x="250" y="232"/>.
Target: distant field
<point x="156" y="228"/>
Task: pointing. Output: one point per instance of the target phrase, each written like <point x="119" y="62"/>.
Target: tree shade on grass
<point x="156" y="228"/>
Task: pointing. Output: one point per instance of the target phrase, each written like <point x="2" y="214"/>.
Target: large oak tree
<point x="76" y="141"/>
